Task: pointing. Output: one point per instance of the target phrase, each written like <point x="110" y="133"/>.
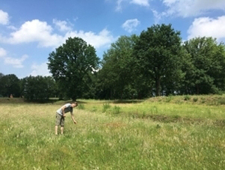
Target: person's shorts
<point x="59" y="120"/>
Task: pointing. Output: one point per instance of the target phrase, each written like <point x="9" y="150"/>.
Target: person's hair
<point x="75" y="103"/>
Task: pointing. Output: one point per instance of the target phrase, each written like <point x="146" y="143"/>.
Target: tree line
<point x="154" y="63"/>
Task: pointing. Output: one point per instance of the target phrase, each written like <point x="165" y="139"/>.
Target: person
<point x="60" y="115"/>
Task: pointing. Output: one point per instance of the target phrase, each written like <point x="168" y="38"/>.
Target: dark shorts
<point x="59" y="120"/>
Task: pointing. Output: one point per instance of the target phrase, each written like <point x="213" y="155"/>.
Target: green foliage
<point x="9" y="84"/>
<point x="156" y="63"/>
<point x="116" y="110"/>
<point x="221" y="101"/>
<point x="169" y="98"/>
<point x="187" y="97"/>
<point x="38" y="88"/>
<point x="81" y="107"/>
<point x="94" y="109"/>
<point x="204" y="66"/>
<point x="157" y="57"/>
<point x="106" y="106"/>
<point x="71" y="64"/>
<point x="115" y="77"/>
<point x="195" y="99"/>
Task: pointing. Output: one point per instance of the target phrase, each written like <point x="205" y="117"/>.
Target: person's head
<point x="74" y="104"/>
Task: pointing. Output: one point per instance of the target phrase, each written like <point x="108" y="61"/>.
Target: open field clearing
<point x="141" y="135"/>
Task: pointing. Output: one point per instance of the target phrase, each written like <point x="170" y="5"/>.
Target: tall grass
<point x="148" y="109"/>
<point x="111" y="141"/>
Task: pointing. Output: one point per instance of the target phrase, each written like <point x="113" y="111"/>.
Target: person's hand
<point x="64" y="115"/>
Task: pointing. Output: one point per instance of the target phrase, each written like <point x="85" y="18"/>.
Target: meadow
<point x="167" y="133"/>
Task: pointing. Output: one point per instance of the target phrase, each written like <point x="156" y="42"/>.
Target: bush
<point x="169" y="98"/>
<point x="195" y="99"/>
<point x="94" y="109"/>
<point x="187" y="97"/>
<point x="81" y="107"/>
<point x="105" y="107"/>
<point x="116" y="110"/>
<point x="221" y="101"/>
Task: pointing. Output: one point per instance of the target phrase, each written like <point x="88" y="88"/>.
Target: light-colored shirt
<point x="68" y="108"/>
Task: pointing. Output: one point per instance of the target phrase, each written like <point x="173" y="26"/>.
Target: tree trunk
<point x="157" y="86"/>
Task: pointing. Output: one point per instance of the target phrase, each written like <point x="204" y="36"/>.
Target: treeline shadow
<point x="127" y="101"/>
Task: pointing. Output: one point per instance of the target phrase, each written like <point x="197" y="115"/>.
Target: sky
<point x="31" y="29"/>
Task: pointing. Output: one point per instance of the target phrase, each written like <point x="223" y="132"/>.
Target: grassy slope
<point x="158" y="133"/>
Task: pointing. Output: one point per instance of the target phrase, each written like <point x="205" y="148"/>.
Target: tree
<point x="157" y="57"/>
<point x="1" y="85"/>
<point x="37" y="88"/>
<point x="70" y="63"/>
<point x="205" y="66"/>
<point x="1" y="75"/>
<point x="116" y="73"/>
<point x="10" y="85"/>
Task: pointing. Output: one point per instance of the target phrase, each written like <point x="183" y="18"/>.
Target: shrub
<point x="187" y="97"/>
<point x="116" y="110"/>
<point x="105" y="107"/>
<point x="195" y="99"/>
<point x="81" y="107"/>
<point x="94" y="109"/>
<point x="169" y="98"/>
<point x="221" y="101"/>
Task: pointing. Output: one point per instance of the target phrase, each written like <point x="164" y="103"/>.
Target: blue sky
<point x="30" y="29"/>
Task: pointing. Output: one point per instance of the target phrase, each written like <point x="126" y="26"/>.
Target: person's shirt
<point x="68" y="108"/>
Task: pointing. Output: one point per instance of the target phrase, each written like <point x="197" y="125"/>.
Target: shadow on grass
<point x="126" y="101"/>
<point x="6" y="100"/>
<point x="177" y="119"/>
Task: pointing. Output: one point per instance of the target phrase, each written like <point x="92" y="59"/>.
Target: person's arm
<point x="74" y="121"/>
<point x="63" y="111"/>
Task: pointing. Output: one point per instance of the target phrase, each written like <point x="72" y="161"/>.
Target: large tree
<point x="115" y="76"/>
<point x="157" y="53"/>
<point x="204" y="66"/>
<point x="70" y="63"/>
<point x="9" y="85"/>
<point x="37" y="88"/>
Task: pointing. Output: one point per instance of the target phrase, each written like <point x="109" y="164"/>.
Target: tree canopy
<point x="154" y="63"/>
<point x="205" y="66"/>
<point x="9" y="85"/>
<point x="38" y="88"/>
<point x="115" y="75"/>
<point x="157" y="57"/>
<point x="70" y="63"/>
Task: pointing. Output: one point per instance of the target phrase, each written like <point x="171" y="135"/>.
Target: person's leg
<point x="62" y="128"/>
<point x="62" y="124"/>
<point x="56" y="130"/>
<point x="57" y="123"/>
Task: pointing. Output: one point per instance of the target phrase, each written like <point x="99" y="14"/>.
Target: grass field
<point x="163" y="134"/>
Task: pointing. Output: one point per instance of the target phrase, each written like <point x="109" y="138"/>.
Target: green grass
<point x="114" y="135"/>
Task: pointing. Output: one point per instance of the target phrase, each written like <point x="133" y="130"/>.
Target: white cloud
<point x="157" y="16"/>
<point x="2" y="52"/>
<point x="41" y="69"/>
<point x="62" y="25"/>
<point x="141" y="2"/>
<point x="119" y="6"/>
<point x="15" y="62"/>
<point x="101" y="39"/>
<point x="130" y="25"/>
<point x="189" y="8"/>
<point x="208" y="27"/>
<point x="42" y="33"/>
<point x="4" y="18"/>
<point x="136" y="2"/>
<point x="35" y="31"/>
